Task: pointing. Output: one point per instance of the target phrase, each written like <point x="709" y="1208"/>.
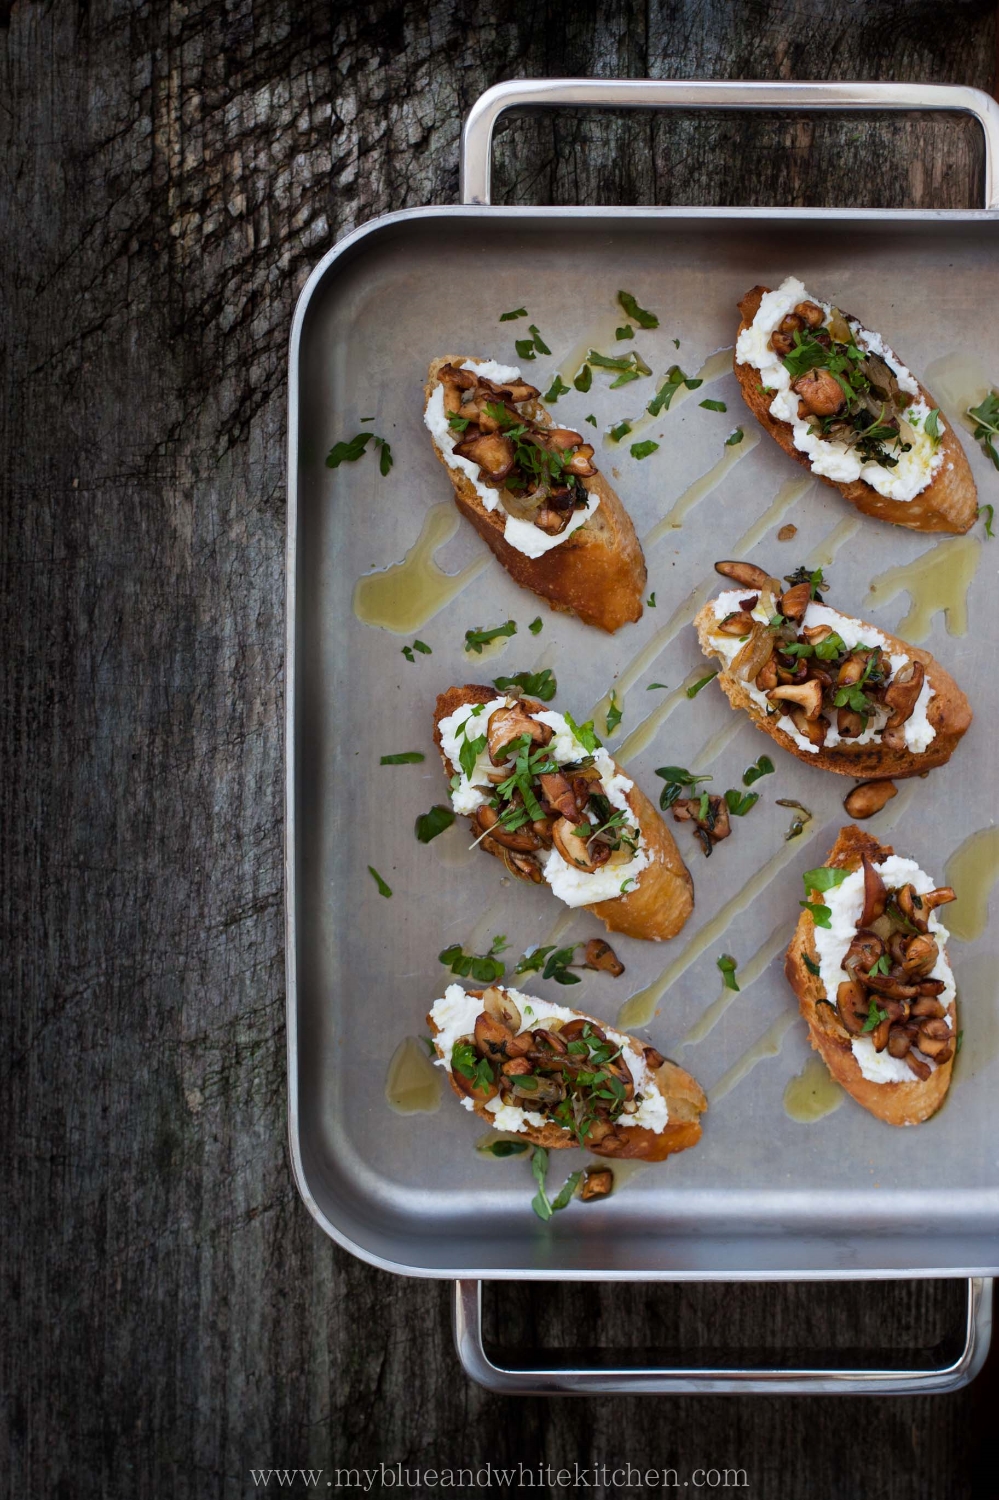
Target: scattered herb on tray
<point x="384" y="889"/>
<point x="764" y="766"/>
<point x="639" y="315"/>
<point x="404" y="758"/>
<point x="728" y="966"/>
<point x="434" y="822"/>
<point x="486" y="968"/>
<point x="476" y="639"/>
<point x="541" y="684"/>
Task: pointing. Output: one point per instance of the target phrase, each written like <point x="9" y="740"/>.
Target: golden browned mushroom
<point x="875" y="894"/>
<point x="598" y="1182"/>
<point x="547" y="1042"/>
<point x="849" y="723"/>
<point x="517" y="1067"/>
<point x="754" y="655"/>
<point x="767" y="678"/>
<point x="573" y="1030"/>
<point x="561" y="438"/>
<point x="851" y="671"/>
<point x="491" y="1035"/>
<point x="920" y="956"/>
<point x="497" y="1003"/>
<point x="516" y="391"/>
<point x="574" y="849"/>
<point x="868" y="798"/>
<point x="509" y="724"/>
<point x="851" y="1003"/>
<point x="821" y="393"/>
<point x="810" y="314"/>
<point x="863" y="952"/>
<point x="493" y="453"/>
<point x="600" y="955"/>
<point x="747" y="575"/>
<point x="939" y="897"/>
<point x="580" y="463"/>
<point x="813" y="730"/>
<point x="921" y="1069"/>
<point x="899" y="1041"/>
<point x="901" y="697"/>
<point x="551" y="521"/>
<point x="738" y="623"/>
<point x="910" y="905"/>
<point x="465" y="380"/>
<point x="816" y="633"/>
<point x="653" y="1059"/>
<point x="881" y="1033"/>
<point x="927" y="1007"/>
<point x="804" y="695"/>
<point x="557" y="793"/>
<point x="524" y="840"/>
<point x="520" y="865"/>
<point x="541" y="1090"/>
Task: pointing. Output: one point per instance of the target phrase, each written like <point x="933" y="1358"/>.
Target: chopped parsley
<point x="627" y="332"/>
<point x="484" y="967"/>
<point x="986" y="417"/>
<point x="675" y="378"/>
<point x="536" y="626"/>
<point x="811" y="965"/>
<point x="651" y="600"/>
<point x="535" y="684"/>
<point x="713" y="405"/>
<point x="351" y="451"/>
<point x="762" y="767"/>
<point x="734" y="437"/>
<point x="404" y="758"/>
<point x="614" y="714"/>
<point x="642" y="450"/>
<point x="557" y="388"/>
<point x="656" y="685"/>
<point x="621" y="430"/>
<point x="583" y="381"/>
<point x="875" y="1015"/>
<point x="518" y="312"/>
<point x="434" y="822"/>
<point x="466" y="1061"/>
<point x="383" y="888"/>
<point x="728" y="966"/>
<point x="639" y="315"/>
<point x="693" y="691"/>
<point x="821" y="915"/>
<point x="591" y="419"/>
<point x="539" y="342"/>
<point x="988" y="511"/>
<point x="677" y="778"/>
<point x="584" y="733"/>
<point x="476" y="639"/>
<point x="739" y="803"/>
<point x="551" y="962"/>
<point x="825" y="878"/>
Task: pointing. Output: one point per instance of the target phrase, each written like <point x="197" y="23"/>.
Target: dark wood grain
<point x="170" y="172"/>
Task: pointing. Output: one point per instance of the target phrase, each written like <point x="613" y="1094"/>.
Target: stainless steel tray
<point x="762" y="1196"/>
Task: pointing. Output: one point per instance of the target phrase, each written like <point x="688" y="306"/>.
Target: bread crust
<point x="598" y="573"/>
<point x="949" y="713"/>
<point x="948" y="503"/>
<point x="663" y="899"/>
<point x="894" y="1103"/>
<point x="685" y="1103"/>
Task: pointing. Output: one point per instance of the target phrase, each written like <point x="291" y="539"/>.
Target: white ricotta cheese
<point x="468" y="795"/>
<point x="834" y="460"/>
<point x="918" y="730"/>
<point x="523" y="535"/>
<point x="845" y="903"/>
<point x="455" y="1014"/>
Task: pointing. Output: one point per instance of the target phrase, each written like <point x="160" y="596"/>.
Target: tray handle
<point x="725" y="1380"/>
<point x="652" y="93"/>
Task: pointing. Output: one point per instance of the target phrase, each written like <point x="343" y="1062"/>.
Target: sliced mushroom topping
<point x="561" y="438"/>
<point x="714" y="826"/>
<point x="901" y="696"/>
<point x="921" y="1069"/>
<point x="813" y="730"/>
<point x="479" y="1092"/>
<point x="927" y="1007"/>
<point x="868" y="798"/>
<point x="849" y="723"/>
<point x="493" y="453"/>
<point x="888" y="984"/>
<point x="543" y="1091"/>
<point x="548" y="1042"/>
<point x="747" y="575"/>
<point x="875" y="894"/>
<point x="524" y="840"/>
<point x="517" y="1067"/>
<point x="910" y="906"/>
<point x="821" y="393"/>
<point x="497" y="1003"/>
<point x="920" y="956"/>
<point x="580" y="463"/>
<point x="939" y="897"/>
<point x="598" y="1182"/>
<point x="811" y="314"/>
<point x="806" y="695"/>
<point x="573" y="1030"/>
<point x="931" y="1046"/>
<point x="816" y="634"/>
<point x="851" y="671"/>
<point x="767" y="678"/>
<point x="491" y="1035"/>
<point x="754" y="655"/>
<point x="576" y="849"/>
<point x="852" y="1006"/>
<point x="863" y="952"/>
<point x="557" y="793"/>
<point x="881" y="1033"/>
<point x="464" y="380"/>
<point x="509" y="724"/>
<point x="737" y="624"/>
<point x="516" y="391"/>
<point x="520" y="865"/>
<point x="653" y="1059"/>
<point x="795" y="601"/>
<point x="601" y="956"/>
<point x="899" y="1041"/>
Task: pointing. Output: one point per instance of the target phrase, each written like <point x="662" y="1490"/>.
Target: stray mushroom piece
<point x="600" y="955"/>
<point x="748" y="575"/>
<point x="598" y="1182"/>
<point x="868" y="798"/>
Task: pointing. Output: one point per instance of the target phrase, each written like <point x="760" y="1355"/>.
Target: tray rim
<point x="526" y="214"/>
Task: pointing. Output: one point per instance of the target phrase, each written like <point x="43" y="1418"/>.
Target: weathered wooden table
<point x="172" y="1317"/>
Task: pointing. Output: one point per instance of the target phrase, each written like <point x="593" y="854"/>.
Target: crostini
<point x="532" y="492"/>
<point x="868" y="963"/>
<point x="543" y="795"/>
<point x="834" y="691"/>
<point x="838" y="400"/>
<point x="562" y="1079"/>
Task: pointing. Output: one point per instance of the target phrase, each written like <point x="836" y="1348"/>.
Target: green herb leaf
<point x="386" y="460"/>
<point x="824" y="878"/>
<point x="960" y="1041"/>
<point x="502" y="1149"/>
<point x="404" y="758"/>
<point x="584" y="733"/>
<point x="656" y="685"/>
<point x="539" y="342"/>
<point x="620" y="431"/>
<point x="525" y="348"/>
<point x="692" y="692"/>
<point x="591" y="419"/>
<point x="476" y="639"/>
<point x="811" y="965"/>
<point x="423" y="648"/>
<point x="821" y="915"/>
<point x="535" y="684"/>
<point x="614" y="714"/>
<point x="642" y="450"/>
<point x="583" y="381"/>
<point x="986" y="417"/>
<point x="988" y="511"/>
<point x="518" y="312"/>
<point x="434" y="822"/>
<point x="624" y="378"/>
<point x="739" y="803"/>
<point x="556" y="389"/>
<point x="728" y="966"/>
<point x="713" y="405"/>
<point x="651" y="600"/>
<point x="638" y="314"/>
<point x="875" y="1015"/>
<point x="348" y="452"/>
<point x="536" y="626"/>
<point x="383" y="888"/>
<point x="880" y="966"/>
<point x="677" y="778"/>
<point x="485" y="968"/>
<point x="565" y="1192"/>
<point x="539" y="1167"/>
<point x="762" y="767"/>
<point x="932" y="425"/>
<point x="627" y="332"/>
<point x="407" y="652"/>
<point x="459" y="423"/>
<point x="734" y="437"/>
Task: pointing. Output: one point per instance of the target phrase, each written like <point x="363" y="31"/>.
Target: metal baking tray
<point x="763" y="1195"/>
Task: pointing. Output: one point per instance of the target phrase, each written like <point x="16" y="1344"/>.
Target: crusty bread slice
<point x="948" y="503"/>
<point x="685" y="1103"/>
<point x="662" y="900"/>
<point x="949" y="713"/>
<point x="597" y="573"/>
<point x="895" y="1103"/>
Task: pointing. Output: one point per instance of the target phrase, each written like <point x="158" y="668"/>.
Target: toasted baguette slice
<point x="685" y="1103"/>
<point x="895" y="1103"/>
<point x="663" y="899"/>
<point x="949" y="713"/>
<point x="948" y="503"/>
<point x="597" y="573"/>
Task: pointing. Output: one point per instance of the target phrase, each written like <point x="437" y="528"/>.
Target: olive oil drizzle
<point x="812" y="1094"/>
<point x="700" y="489"/>
<point x="715" y="367"/>
<point x="768" y="1045"/>
<point x="958" y="381"/>
<point x="412" y="1083"/>
<point x="748" y="974"/>
<point x="823" y="554"/>
<point x="972" y="870"/>
<point x="938" y="582"/>
<point x="406" y="595"/>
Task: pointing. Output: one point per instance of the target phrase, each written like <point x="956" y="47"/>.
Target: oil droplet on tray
<point x="412" y="1084"/>
<point x="812" y="1094"/>
<point x="936" y="582"/>
<point x="409" y="593"/>
<point x="958" y="381"/>
<point x="972" y="870"/>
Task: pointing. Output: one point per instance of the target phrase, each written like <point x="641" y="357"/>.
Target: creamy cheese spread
<point x="828" y="458"/>
<point x="918" y="730"/>
<point x="455" y="1014"/>
<point x="523" y="535"/>
<point x="573" y="886"/>
<point x="846" y="902"/>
